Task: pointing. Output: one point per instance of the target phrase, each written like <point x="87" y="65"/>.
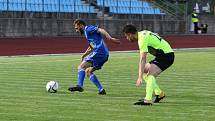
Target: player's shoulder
<point x="91" y="28"/>
<point x="144" y="32"/>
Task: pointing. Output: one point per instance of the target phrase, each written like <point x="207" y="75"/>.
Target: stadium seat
<point x="113" y="9"/>
<point x="51" y="6"/>
<point x="86" y="9"/>
<point x="38" y="7"/>
<point x="151" y="11"/>
<point x="120" y="3"/>
<point x="134" y="4"/>
<point x="145" y="4"/>
<point x="124" y="10"/>
<point x="33" y="7"/>
<point x="107" y="3"/>
<point x="20" y="7"/>
<point x="67" y="2"/>
<point x="127" y="3"/>
<point x="10" y="6"/>
<point x="115" y="6"/>
<point x="69" y="8"/>
<point x="157" y="11"/>
<point x="1" y="6"/>
<point x="28" y="7"/>
<point x="47" y="8"/>
<point x="82" y="9"/>
<point x="77" y="8"/>
<point x="127" y="6"/>
<point x="78" y="2"/>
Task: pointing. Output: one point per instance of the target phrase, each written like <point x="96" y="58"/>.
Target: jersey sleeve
<point x="142" y="43"/>
<point x="91" y="29"/>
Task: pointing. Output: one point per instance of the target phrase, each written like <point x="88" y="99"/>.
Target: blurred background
<point x="53" y="18"/>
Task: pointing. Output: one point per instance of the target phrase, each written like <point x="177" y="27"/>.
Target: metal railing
<point x="176" y="10"/>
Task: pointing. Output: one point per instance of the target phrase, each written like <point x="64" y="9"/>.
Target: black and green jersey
<point x="152" y="43"/>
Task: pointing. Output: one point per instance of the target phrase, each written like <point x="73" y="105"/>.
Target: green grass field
<point x="189" y="85"/>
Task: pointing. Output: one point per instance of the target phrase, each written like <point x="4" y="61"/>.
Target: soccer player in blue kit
<point x="95" y="55"/>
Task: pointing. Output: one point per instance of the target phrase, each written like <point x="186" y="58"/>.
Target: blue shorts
<point x="97" y="60"/>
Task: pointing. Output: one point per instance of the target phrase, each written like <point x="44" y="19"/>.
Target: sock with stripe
<point x="96" y="82"/>
<point x="81" y="77"/>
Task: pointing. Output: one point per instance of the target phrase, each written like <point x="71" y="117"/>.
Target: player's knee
<point x="80" y="67"/>
<point x="89" y="71"/>
<point x="147" y="67"/>
<point x="146" y="70"/>
<point x="88" y="74"/>
<point x="154" y="70"/>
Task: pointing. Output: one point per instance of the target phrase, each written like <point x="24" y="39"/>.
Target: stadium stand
<point x="3" y="5"/>
<point x="34" y="6"/>
<point x="27" y="18"/>
<point x="46" y="6"/>
<point x="128" y="7"/>
<point x="115" y="7"/>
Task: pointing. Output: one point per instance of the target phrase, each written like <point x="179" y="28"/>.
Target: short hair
<point x="129" y="29"/>
<point x="79" y="22"/>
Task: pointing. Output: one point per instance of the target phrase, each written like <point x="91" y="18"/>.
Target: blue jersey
<point x="95" y="40"/>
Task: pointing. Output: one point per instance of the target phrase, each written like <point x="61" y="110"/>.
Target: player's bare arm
<point x="142" y="63"/>
<point x="107" y="35"/>
<point x="87" y="52"/>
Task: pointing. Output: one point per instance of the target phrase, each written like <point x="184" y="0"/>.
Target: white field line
<point x="81" y="53"/>
<point x="29" y="62"/>
<point x="110" y="52"/>
<point x="194" y="48"/>
<point x="72" y="60"/>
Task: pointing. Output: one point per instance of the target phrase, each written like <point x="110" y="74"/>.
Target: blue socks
<point x="93" y="78"/>
<point x="95" y="81"/>
<point x="81" y="76"/>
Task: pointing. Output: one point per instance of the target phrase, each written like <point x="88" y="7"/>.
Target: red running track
<point x="59" y="45"/>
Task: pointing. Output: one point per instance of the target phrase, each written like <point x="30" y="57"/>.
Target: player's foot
<point x="158" y="98"/>
<point x="76" y="88"/>
<point x="102" y="92"/>
<point x="141" y="99"/>
<point x="143" y="102"/>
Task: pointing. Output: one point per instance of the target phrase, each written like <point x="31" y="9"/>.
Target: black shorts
<point x="163" y="61"/>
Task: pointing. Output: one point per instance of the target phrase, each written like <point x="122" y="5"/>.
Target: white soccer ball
<point x="52" y="86"/>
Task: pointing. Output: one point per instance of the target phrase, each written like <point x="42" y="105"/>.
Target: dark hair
<point x="129" y="29"/>
<point x="79" y="22"/>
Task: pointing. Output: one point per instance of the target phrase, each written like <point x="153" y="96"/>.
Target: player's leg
<point x="81" y="72"/>
<point x="150" y="80"/>
<point x="146" y="69"/>
<point x="157" y="90"/>
<point x="163" y="63"/>
<point x="81" y="76"/>
<point x="95" y="80"/>
<point x="98" y="62"/>
<point x="196" y="27"/>
<point x="158" y="65"/>
<point x="153" y="71"/>
<point x="159" y="94"/>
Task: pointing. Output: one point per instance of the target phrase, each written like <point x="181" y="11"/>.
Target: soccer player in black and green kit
<point x="152" y="43"/>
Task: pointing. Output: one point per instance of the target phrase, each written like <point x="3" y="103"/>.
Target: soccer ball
<point x="52" y="86"/>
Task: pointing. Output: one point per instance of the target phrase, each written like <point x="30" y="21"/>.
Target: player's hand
<point x="115" y="40"/>
<point x="82" y="57"/>
<point x="139" y="82"/>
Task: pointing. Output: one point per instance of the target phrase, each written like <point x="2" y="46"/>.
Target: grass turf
<point x="189" y="85"/>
